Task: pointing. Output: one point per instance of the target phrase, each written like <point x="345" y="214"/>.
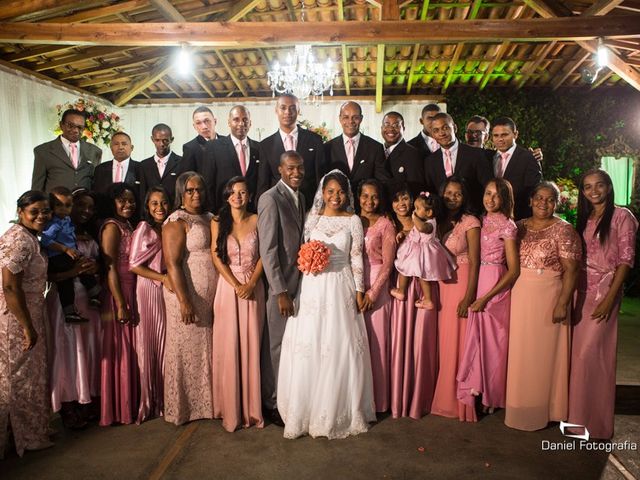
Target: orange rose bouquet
<point x="313" y="257"/>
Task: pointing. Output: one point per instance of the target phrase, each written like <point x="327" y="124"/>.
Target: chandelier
<point x="302" y="75"/>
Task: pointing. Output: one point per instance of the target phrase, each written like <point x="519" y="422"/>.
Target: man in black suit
<point x="359" y="157"/>
<point x="164" y="167"/>
<point x="404" y="163"/>
<point x="455" y="158"/>
<point x="204" y="122"/>
<point x="232" y="156"/>
<point x="424" y="142"/>
<point x="289" y="137"/>
<point x="516" y="164"/>
<point x="66" y="161"/>
<point x="122" y="169"/>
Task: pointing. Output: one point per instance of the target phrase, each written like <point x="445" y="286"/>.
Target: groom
<point x="280" y="228"/>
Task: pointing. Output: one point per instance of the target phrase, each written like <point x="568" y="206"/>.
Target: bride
<point x="325" y="386"/>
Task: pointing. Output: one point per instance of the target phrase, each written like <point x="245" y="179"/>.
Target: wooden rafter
<point x="291" y="10"/>
<point x="231" y="73"/>
<point x="88" y="54"/>
<point x="35" y="52"/>
<point x="101" y="12"/>
<point x="379" y="77"/>
<point x="345" y="60"/>
<point x="17" y="8"/>
<point x="601" y="7"/>
<point x="239" y="10"/>
<point x="202" y="82"/>
<point x="151" y="55"/>
<point x="452" y="66"/>
<point x="167" y="10"/>
<point x="171" y="86"/>
<point x="569" y="68"/>
<point x="390" y="10"/>
<point x="499" y="54"/>
<point x="412" y="68"/>
<point x="603" y="77"/>
<point x="154" y="75"/>
<point x="531" y="69"/>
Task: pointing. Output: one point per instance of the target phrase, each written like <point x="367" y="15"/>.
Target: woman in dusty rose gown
<point x="119" y="383"/>
<point x="483" y="370"/>
<point x="238" y="311"/>
<point x="414" y="344"/>
<point x="460" y="234"/>
<point x="539" y="336"/>
<point x="379" y="253"/>
<point x="147" y="263"/>
<point x="609" y="235"/>
<point x="186" y="245"/>
<point x="75" y="372"/>
<point x="24" y="389"/>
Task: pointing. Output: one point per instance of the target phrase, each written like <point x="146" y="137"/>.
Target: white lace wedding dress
<point x="325" y="386"/>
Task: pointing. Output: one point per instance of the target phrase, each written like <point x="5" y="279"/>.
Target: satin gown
<point x="593" y="346"/>
<point x="237" y="331"/>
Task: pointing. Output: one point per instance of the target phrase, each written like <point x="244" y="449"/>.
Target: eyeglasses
<point x="475" y="132"/>
<point x="73" y="126"/>
<point x="392" y="125"/>
<point x="192" y="191"/>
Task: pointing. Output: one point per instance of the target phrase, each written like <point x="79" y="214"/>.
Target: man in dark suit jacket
<point x="164" y="167"/>
<point x="359" y="157"/>
<point x="424" y="142"/>
<point x="516" y="164"/>
<point x="204" y="122"/>
<point x="280" y="228"/>
<point x="455" y="158"/>
<point x="66" y="161"/>
<point x="221" y="160"/>
<point x="404" y="163"/>
<point x="290" y="137"/>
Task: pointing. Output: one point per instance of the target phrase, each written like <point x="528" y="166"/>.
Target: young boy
<point x="59" y="238"/>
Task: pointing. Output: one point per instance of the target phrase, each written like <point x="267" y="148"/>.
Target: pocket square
<point x="173" y="173"/>
<point x="401" y="169"/>
<point x="311" y="149"/>
<point x="137" y="182"/>
<point x="89" y="161"/>
<point x="257" y="161"/>
<point x="361" y="161"/>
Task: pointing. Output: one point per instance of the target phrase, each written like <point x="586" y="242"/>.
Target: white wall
<point x="28" y="117"/>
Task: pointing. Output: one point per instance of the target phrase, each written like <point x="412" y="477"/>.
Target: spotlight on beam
<point x="184" y="61"/>
<point x="602" y="54"/>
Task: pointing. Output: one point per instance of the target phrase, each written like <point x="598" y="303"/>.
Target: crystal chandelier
<point x="302" y="75"/>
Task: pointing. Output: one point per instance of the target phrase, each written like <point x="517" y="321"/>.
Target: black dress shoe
<point x="274" y="416"/>
<point x="74" y="318"/>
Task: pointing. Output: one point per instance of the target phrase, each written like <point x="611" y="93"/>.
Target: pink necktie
<point x="504" y="158"/>
<point x="351" y="153"/>
<point x="288" y="143"/>
<point x="118" y="172"/>
<point x="242" y="158"/>
<point x="73" y="151"/>
<point x="160" y="167"/>
<point x="448" y="166"/>
<point x="432" y="144"/>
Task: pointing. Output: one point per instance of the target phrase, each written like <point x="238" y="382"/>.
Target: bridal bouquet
<point x="313" y="257"/>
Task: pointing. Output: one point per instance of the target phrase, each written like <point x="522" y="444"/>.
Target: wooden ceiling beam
<point x="171" y="86"/>
<point x="452" y="66"/>
<point x="88" y="54"/>
<point x="601" y="7"/>
<point x="499" y="54"/>
<point x="239" y="10"/>
<point x="203" y="84"/>
<point x="345" y="70"/>
<point x="101" y="12"/>
<point x="531" y="68"/>
<point x="17" y="8"/>
<point x="616" y="63"/>
<point x="268" y="34"/>
<point x="154" y="54"/>
<point x="412" y="68"/>
<point x="231" y="73"/>
<point x="35" y="52"/>
<point x="603" y="78"/>
<point x="379" y="77"/>
<point x="569" y="68"/>
<point x="548" y="8"/>
<point x="154" y="75"/>
<point x="390" y="10"/>
<point x="167" y="10"/>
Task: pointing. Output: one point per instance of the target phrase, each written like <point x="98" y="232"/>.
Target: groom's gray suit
<point x="280" y="231"/>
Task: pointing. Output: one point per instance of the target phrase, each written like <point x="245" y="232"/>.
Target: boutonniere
<point x="362" y="161"/>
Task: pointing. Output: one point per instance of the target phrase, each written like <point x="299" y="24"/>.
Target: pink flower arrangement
<point x="100" y="125"/>
<point x="313" y="257"/>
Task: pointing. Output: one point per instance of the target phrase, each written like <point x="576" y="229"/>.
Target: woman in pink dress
<point x="539" y="336"/>
<point x="24" y="389"/>
<point x="483" y="370"/>
<point x="238" y="311"/>
<point x="75" y="372"/>
<point x="460" y="233"/>
<point x="145" y="260"/>
<point x="608" y="234"/>
<point x="379" y="253"/>
<point x="186" y="245"/>
<point x="119" y="391"/>
<point x="414" y="348"/>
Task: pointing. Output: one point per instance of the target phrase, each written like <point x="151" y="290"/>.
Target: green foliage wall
<point x="568" y="124"/>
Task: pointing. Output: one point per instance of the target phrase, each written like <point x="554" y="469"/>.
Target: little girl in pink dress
<point x="421" y="254"/>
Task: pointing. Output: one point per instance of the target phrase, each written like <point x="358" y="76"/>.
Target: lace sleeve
<point x="16" y="250"/>
<point x="357" y="241"/>
<point x="388" y="256"/>
<point x="569" y="245"/>
<point x="627" y="230"/>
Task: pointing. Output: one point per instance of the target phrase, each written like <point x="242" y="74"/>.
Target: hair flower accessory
<point x="313" y="257"/>
<point x="425" y="194"/>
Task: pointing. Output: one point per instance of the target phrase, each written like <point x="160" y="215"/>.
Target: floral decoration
<point x="100" y="125"/>
<point x="321" y="130"/>
<point x="567" y="207"/>
<point x="313" y="257"/>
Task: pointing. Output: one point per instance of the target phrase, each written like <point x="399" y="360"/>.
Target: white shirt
<point x="294" y="194"/>
<point x="294" y="134"/>
<point x="114" y="169"/>
<point x="390" y="148"/>
<point x="453" y="150"/>
<point x="163" y="161"/>
<point x="65" y="145"/>
<point x="429" y="141"/>
<point x="356" y="141"/>
<point x="497" y="159"/>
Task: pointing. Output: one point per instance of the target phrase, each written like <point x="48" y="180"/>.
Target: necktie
<point x="242" y="158"/>
<point x="387" y="152"/>
<point x="504" y="158"/>
<point x="160" y="167"/>
<point x="73" y="154"/>
<point x="351" y="153"/>
<point x="432" y="145"/>
<point x="288" y="143"/>
<point x="448" y="166"/>
<point x="118" y="172"/>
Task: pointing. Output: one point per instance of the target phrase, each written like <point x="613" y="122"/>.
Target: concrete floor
<point x="432" y="447"/>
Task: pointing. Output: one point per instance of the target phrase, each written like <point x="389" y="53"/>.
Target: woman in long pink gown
<point x="145" y="260"/>
<point x="609" y="236"/>
<point x="75" y="372"/>
<point x="460" y="234"/>
<point x="119" y="390"/>
<point x="539" y="336"/>
<point x="414" y="345"/>
<point x="186" y="245"/>
<point x="379" y="253"/>
<point x="483" y="370"/>
<point x="238" y="311"/>
<point x="24" y="389"/>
